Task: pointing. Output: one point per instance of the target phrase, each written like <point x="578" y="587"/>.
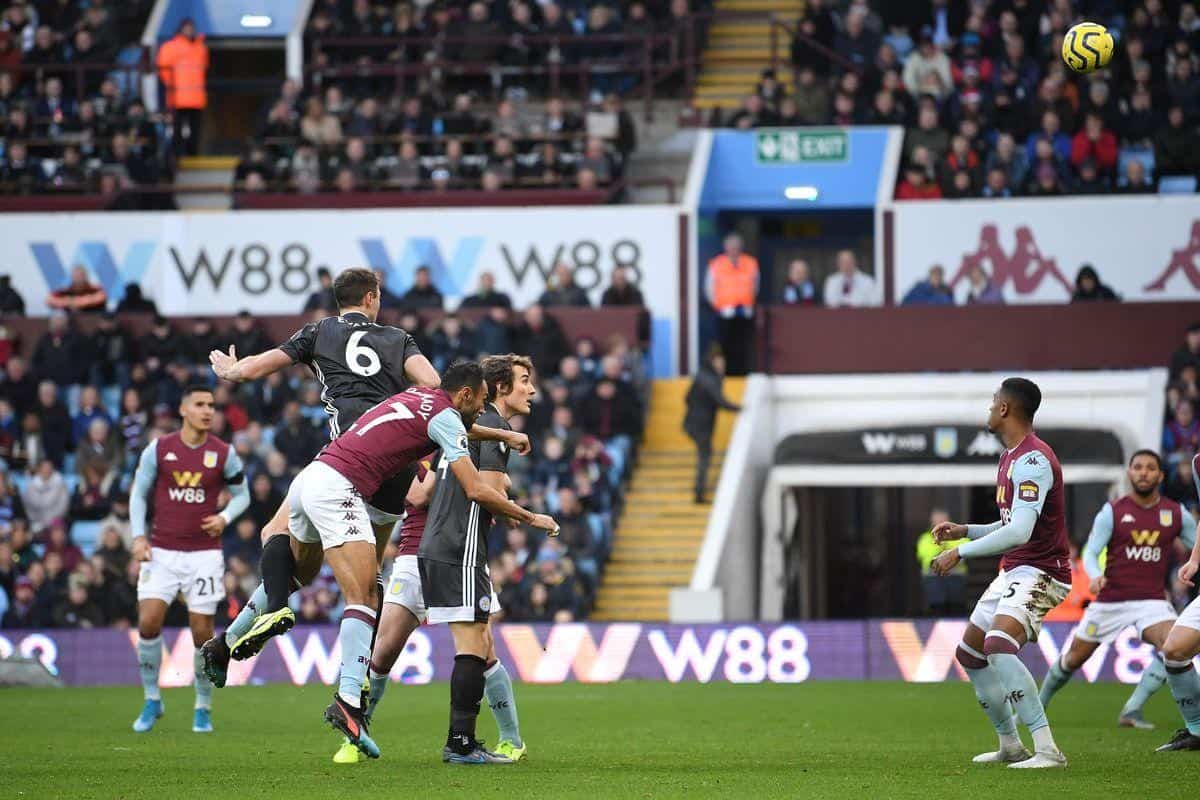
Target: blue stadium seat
<point x="1177" y="184"/>
<point x="68" y="467"/>
<point x="110" y="396"/>
<point x="268" y="435"/>
<point x="72" y="481"/>
<point x="86" y="535"/>
<point x="72" y="398"/>
<point x="19" y="479"/>
<point x="1143" y="154"/>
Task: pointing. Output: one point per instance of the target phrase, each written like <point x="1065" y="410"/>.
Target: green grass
<point x="632" y="739"/>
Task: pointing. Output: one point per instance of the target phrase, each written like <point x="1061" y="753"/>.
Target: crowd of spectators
<point x="329" y="140"/>
<point x="977" y="288"/>
<point x="70" y="116"/>
<point x="1181" y="428"/>
<point x="75" y="416"/>
<point x="989" y="108"/>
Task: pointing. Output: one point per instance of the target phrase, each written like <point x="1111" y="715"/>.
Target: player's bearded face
<point x="1144" y="475"/>
<point x="470" y="404"/>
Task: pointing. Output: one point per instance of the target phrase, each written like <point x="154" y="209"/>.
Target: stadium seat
<point x="1143" y="154"/>
<point x="68" y="467"/>
<point x="1177" y="184"/>
<point x="86" y="535"/>
<point x="72" y="399"/>
<point x="110" y="396"/>
<point x="72" y="481"/>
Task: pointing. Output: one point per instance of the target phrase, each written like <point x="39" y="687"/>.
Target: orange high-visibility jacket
<point x="182" y="64"/>
<point x="733" y="285"/>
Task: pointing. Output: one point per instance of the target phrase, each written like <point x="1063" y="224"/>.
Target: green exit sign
<point x="792" y="146"/>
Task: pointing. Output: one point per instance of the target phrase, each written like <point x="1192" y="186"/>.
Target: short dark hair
<point x="462" y="374"/>
<point x="192" y="388"/>
<point x="352" y="285"/>
<point x="498" y="371"/>
<point x="1145" y="451"/>
<point x="1024" y="393"/>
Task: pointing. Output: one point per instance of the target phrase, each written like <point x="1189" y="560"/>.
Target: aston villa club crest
<point x="1165" y="517"/>
<point x="945" y="442"/>
<point x="210" y="459"/>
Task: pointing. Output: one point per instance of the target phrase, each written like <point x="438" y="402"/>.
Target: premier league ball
<point x="1087" y="47"/>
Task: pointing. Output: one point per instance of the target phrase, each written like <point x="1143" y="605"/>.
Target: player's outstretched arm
<point x="139" y="495"/>
<point x="228" y="367"/>
<point x="477" y="490"/>
<point x="517" y="441"/>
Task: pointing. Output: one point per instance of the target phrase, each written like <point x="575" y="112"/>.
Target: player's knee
<point x="1176" y="654"/>
<point x="969" y="657"/>
<point x="148" y="630"/>
<point x="998" y="642"/>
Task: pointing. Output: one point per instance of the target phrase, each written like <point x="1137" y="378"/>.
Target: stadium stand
<point x="989" y="108"/>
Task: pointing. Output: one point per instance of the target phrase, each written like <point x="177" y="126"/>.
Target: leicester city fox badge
<point x="210" y="459"/>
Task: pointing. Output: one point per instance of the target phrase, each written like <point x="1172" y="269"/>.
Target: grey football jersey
<point x="456" y="529"/>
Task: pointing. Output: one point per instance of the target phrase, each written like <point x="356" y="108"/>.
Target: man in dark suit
<point x="703" y="399"/>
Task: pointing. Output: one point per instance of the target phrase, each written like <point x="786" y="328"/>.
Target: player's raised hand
<point x="1188" y="571"/>
<point x="546" y="523"/>
<point x="945" y="562"/>
<point x="948" y="532"/>
<point x="1096" y="584"/>
<point x="223" y="363"/>
<point x="141" y="549"/>
<point x="213" y="525"/>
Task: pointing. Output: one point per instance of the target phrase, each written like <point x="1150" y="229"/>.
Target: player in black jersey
<point x="359" y="363"/>
<point x="456" y="585"/>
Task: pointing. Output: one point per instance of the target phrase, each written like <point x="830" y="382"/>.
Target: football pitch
<point x="630" y="739"/>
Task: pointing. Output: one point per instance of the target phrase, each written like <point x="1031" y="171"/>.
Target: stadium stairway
<point x="660" y="531"/>
<point x="739" y="49"/>
<point x="205" y="171"/>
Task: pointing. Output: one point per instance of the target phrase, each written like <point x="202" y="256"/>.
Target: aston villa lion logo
<point x="210" y="459"/>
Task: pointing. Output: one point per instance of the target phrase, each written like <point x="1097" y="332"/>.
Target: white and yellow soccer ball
<point x="1087" y="47"/>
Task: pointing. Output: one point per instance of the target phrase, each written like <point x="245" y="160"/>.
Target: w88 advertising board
<point x="266" y="261"/>
<point x="919" y="651"/>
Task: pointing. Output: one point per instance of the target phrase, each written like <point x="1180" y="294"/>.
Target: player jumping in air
<point x="183" y="473"/>
<point x="457" y="519"/>
<point x="1182" y="645"/>
<point x="326" y="505"/>
<point x="1139" y="531"/>
<point x="1035" y="576"/>
<point x="359" y="364"/>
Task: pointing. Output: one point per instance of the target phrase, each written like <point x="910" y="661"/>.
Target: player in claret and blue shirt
<point x="1035" y="576"/>
<point x="181" y="476"/>
<point x="1139" y="531"/>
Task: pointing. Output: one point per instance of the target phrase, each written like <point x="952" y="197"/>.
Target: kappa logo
<point x="170" y="457"/>
<point x="1023" y="272"/>
<point x="451" y="277"/>
<point x="985" y="444"/>
<point x="99" y="261"/>
<point x="1182" y="261"/>
<point x="1127" y="518"/>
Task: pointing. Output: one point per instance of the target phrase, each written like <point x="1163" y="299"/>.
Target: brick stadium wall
<point x="973" y="338"/>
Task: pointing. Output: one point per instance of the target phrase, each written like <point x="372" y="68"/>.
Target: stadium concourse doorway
<point x="850" y="505"/>
<point x="851" y="551"/>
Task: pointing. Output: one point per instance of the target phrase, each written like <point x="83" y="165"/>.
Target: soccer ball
<point x="1087" y="47"/>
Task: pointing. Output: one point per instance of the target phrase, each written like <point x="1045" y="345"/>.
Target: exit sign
<point x="791" y="146"/>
